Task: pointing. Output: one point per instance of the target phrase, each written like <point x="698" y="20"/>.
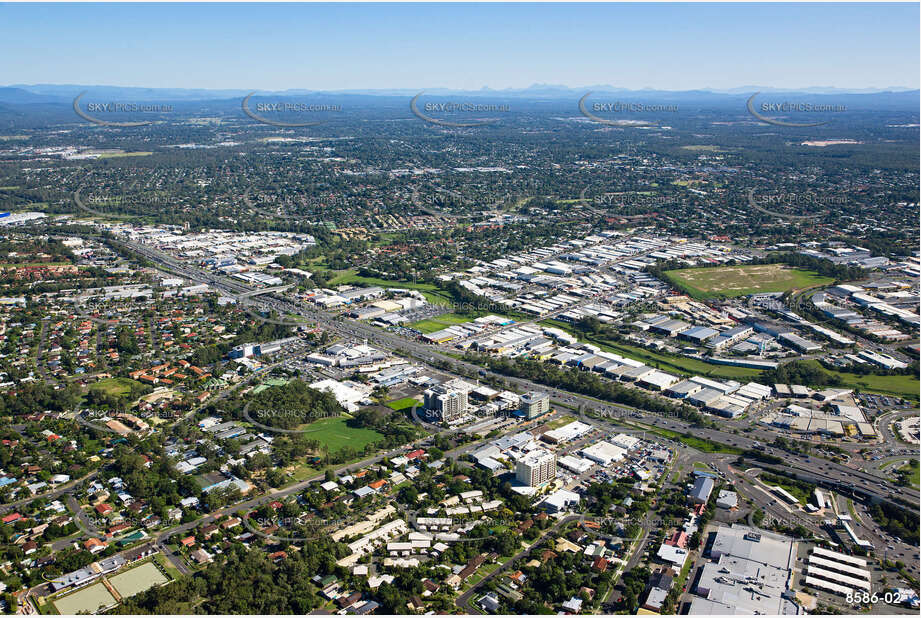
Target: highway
<point x="815" y="469"/>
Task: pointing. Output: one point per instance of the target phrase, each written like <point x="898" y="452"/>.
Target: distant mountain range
<point x="65" y="93"/>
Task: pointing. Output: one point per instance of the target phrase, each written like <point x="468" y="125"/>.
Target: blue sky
<point x="322" y="46"/>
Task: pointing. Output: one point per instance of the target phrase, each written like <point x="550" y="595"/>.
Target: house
<point x="104" y="509"/>
<point x="347" y="601"/>
<point x="200" y="556"/>
<point x="678" y="539"/>
<point x="94" y="545"/>
<point x="573" y="605"/>
<point x="189" y="541"/>
<point x="489" y="602"/>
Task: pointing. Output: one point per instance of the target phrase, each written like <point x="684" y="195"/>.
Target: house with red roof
<point x="8" y="519"/>
<point x="103" y="508"/>
<point x="678" y="539"/>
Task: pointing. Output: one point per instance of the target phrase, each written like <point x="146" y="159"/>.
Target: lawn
<point x="433" y="294"/>
<point x="903" y="386"/>
<point x="743" y="280"/>
<point x="430" y="325"/>
<point x="402" y="404"/>
<point x="914" y="474"/>
<point x="800" y="493"/>
<point x="117" y="387"/>
<point x="349" y="277"/>
<point x="85" y="600"/>
<point x="120" y="155"/>
<point x="334" y="433"/>
<point x="138" y="579"/>
<point x="559" y="422"/>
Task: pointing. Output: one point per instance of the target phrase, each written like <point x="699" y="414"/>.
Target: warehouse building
<point x="701" y="490"/>
<point x="740" y="556"/>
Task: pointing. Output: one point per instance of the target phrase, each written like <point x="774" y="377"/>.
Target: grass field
<point x="120" y="155"/>
<point x="430" y="325"/>
<point x="914" y="474"/>
<point x="559" y="422"/>
<point x="903" y="386"/>
<point x="117" y="387"/>
<point x="85" y="600"/>
<point x="433" y="294"/>
<point x="402" y="404"/>
<point x="130" y="582"/>
<point x="743" y="280"/>
<point x="335" y="434"/>
<point x="796" y="491"/>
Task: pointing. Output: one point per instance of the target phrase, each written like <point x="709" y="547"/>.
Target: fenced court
<point x="138" y="579"/>
<point x="89" y="599"/>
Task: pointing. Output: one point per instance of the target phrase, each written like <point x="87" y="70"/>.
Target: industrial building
<point x="749" y="573"/>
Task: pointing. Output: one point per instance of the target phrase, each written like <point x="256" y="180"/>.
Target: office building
<point x="447" y="401"/>
<point x="534" y="404"/>
<point x="536" y="468"/>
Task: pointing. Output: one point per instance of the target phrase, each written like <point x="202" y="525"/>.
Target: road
<point x="830" y="474"/>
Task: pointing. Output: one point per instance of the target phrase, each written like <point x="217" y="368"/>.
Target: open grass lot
<point x="121" y="155"/>
<point x="914" y="474"/>
<point x="902" y="386"/>
<point x="334" y="433"/>
<point x="114" y="386"/>
<point x="138" y="579"/>
<point x="559" y="422"/>
<point x="433" y="294"/>
<point x="430" y="325"/>
<point x="348" y="277"/>
<point x="402" y="404"/>
<point x="797" y="491"/>
<point x="743" y="280"/>
<point x="86" y="600"/>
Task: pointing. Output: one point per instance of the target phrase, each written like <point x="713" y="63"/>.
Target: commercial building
<point x="749" y="573"/>
<point x="700" y="492"/>
<point x="604" y="453"/>
<point x="447" y="401"/>
<point x="567" y="433"/>
<point x="536" y="468"/>
<point x="534" y="404"/>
